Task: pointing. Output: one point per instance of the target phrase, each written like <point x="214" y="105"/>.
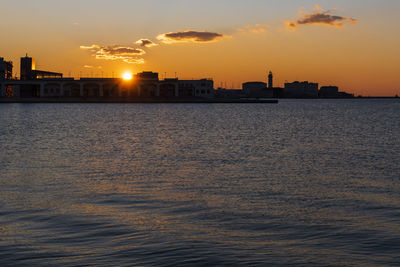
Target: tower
<point x="270" y="80"/>
<point x="27" y="67"/>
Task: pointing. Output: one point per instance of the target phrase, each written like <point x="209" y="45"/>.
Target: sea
<point x="299" y="183"/>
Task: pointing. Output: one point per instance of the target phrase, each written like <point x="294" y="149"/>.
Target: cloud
<point x="318" y="7"/>
<point x="92" y="67"/>
<point x="146" y="43"/>
<point x="116" y="53"/>
<point x="291" y="25"/>
<point x="190" y="37"/>
<point x="91" y="48"/>
<point x="320" y="17"/>
<point x="256" y="28"/>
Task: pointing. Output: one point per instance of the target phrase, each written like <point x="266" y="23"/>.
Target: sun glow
<point x="127" y="76"/>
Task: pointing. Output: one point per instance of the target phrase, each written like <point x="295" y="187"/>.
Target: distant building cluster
<point x="310" y="90"/>
<point x="45" y="84"/>
<point x="35" y="83"/>
<point x="291" y="90"/>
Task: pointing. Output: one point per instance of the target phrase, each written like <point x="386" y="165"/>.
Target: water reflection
<point x="304" y="182"/>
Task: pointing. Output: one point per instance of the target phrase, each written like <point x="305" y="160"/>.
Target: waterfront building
<point x="260" y="89"/>
<point x="329" y="92"/>
<point x="147" y="76"/>
<point x="301" y="90"/>
<point x="6" y="72"/>
<point x="250" y="87"/>
<point x="257" y="90"/>
<point x="198" y="88"/>
<point x="35" y="83"/>
<point x="145" y="85"/>
<point x="110" y="87"/>
<point x="6" y="69"/>
<point x="229" y="93"/>
<point x="345" y="95"/>
<point x="28" y="71"/>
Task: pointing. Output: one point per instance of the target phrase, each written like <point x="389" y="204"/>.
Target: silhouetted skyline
<point x="350" y="44"/>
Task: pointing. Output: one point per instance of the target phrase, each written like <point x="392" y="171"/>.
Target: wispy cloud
<point x="92" y="67"/>
<point x="190" y="37"/>
<point x="146" y="43"/>
<point x="125" y="54"/>
<point x="320" y="17"/>
<point x="256" y="28"/>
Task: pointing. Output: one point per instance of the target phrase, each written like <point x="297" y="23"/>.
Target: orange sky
<point x="353" y="45"/>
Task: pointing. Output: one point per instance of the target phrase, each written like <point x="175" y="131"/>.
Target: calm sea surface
<point x="301" y="183"/>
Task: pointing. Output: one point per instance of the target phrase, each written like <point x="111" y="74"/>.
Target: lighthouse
<point x="270" y="80"/>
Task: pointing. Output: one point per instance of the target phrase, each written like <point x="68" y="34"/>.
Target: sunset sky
<point x="354" y="44"/>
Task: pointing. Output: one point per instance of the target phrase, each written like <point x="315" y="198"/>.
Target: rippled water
<point x="304" y="182"/>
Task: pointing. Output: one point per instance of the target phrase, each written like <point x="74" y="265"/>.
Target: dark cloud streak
<point x="190" y="36"/>
<point x="125" y="54"/>
<point x="321" y="18"/>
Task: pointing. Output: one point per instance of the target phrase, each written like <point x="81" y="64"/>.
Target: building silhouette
<point x="45" y="84"/>
<point x="301" y="90"/>
<point x="28" y="71"/>
<point x="35" y="83"/>
<point x="328" y="92"/>
<point x="6" y="69"/>
<point x="260" y="89"/>
<point x="257" y="90"/>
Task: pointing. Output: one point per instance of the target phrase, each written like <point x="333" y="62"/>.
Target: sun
<point x="127" y="76"/>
